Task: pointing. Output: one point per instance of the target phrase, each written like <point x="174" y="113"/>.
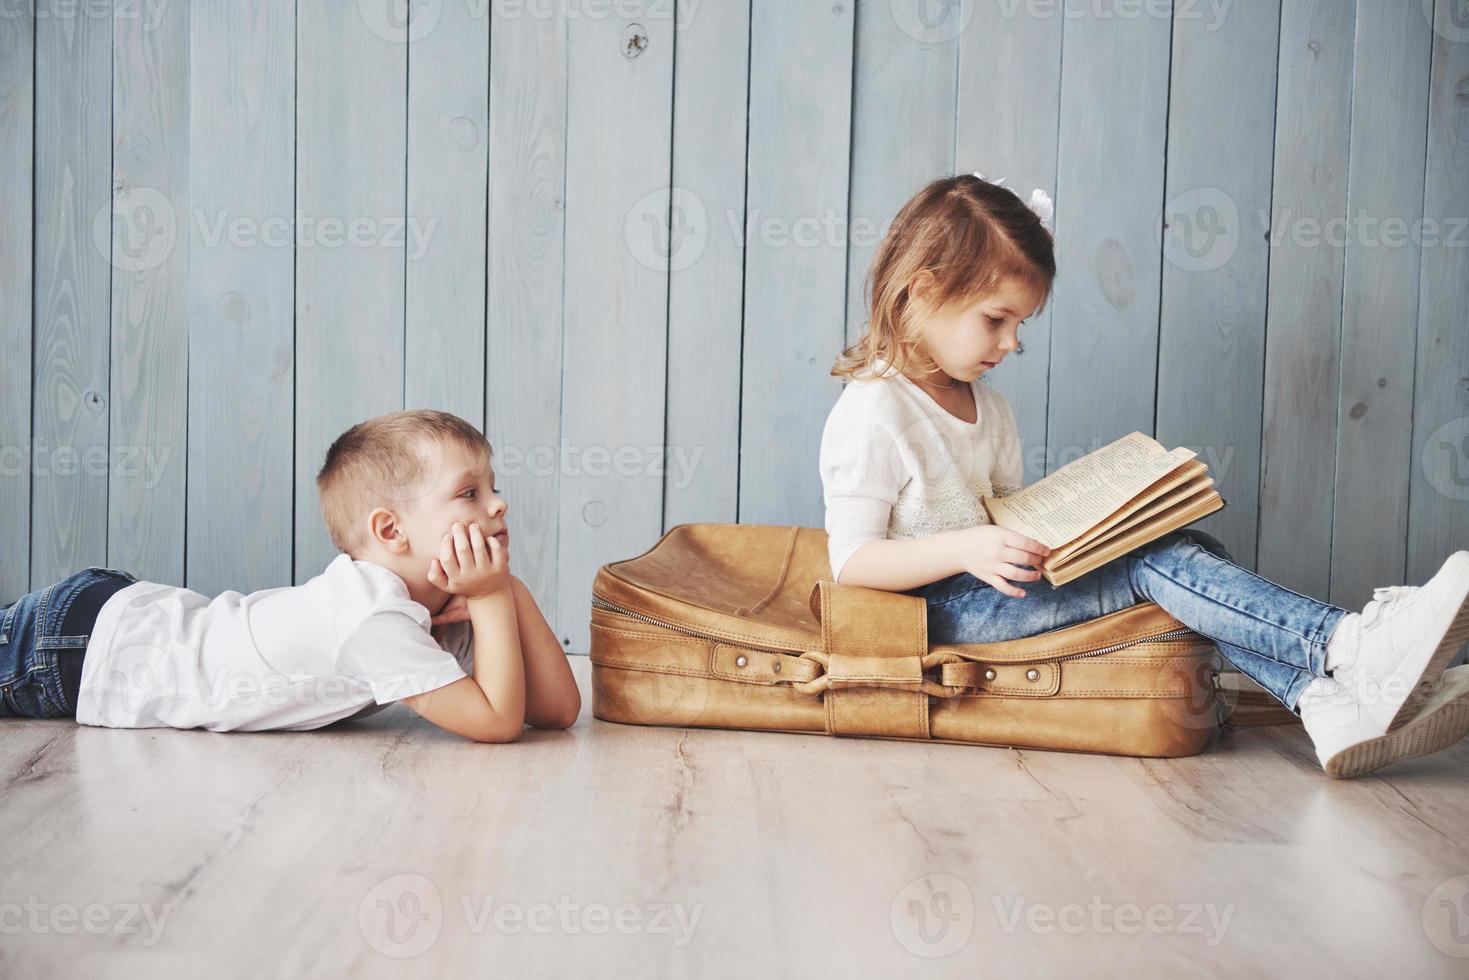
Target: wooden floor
<point x="607" y="850"/>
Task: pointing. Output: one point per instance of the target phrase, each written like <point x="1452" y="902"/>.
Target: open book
<point x="1107" y="503"/>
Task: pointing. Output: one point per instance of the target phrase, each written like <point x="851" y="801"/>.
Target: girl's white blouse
<point x="896" y="464"/>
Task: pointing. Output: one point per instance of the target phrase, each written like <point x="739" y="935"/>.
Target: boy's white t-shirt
<point x="291" y="658"/>
<point x="896" y="464"/>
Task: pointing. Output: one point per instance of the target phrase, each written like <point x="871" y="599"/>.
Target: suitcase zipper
<point x="600" y="603"/>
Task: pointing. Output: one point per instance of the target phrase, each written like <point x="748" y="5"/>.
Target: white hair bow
<point x="1040" y="202"/>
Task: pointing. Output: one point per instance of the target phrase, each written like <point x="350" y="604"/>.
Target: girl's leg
<point x="1273" y="635"/>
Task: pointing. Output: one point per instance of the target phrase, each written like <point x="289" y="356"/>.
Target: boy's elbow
<point x="565" y="716"/>
<point x="500" y="733"/>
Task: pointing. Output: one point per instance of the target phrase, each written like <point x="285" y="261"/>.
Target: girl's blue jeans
<point x="1274" y="636"/>
<point x="31" y="635"/>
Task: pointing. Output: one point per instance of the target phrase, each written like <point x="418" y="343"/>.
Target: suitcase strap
<point x="874" y="645"/>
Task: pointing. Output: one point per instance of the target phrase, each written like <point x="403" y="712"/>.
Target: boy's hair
<point x="382" y="463"/>
<point x="965" y="235"/>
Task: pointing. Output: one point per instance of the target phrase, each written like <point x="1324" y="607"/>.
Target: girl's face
<point x="966" y="342"/>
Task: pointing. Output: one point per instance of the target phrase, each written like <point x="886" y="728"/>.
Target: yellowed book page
<point x="1159" y="526"/>
<point x="1169" y="492"/>
<point x="1083" y="493"/>
<point x="1184" y="498"/>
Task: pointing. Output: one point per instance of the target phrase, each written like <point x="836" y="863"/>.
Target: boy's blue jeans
<point x="31" y="635"/>
<point x="1274" y="636"/>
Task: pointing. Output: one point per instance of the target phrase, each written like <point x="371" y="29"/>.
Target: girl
<point x="915" y="441"/>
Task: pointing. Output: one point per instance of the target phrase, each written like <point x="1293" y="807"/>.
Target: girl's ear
<point x="919" y="286"/>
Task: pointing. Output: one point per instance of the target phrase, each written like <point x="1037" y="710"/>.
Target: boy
<point x="409" y="498"/>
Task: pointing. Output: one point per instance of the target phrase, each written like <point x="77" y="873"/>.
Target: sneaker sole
<point x="1453" y="639"/>
<point x="1443" y="720"/>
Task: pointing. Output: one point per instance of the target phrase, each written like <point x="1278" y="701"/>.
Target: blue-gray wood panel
<point x="795" y="259"/>
<point x="17" y="130"/>
<point x="351" y="103"/>
<point x="1009" y="105"/>
<point x="1303" y="323"/>
<point x="525" y="243"/>
<point x="645" y="237"/>
<point x="1109" y="194"/>
<point x="1215" y="257"/>
<point x="445" y="240"/>
<point x="241" y="297"/>
<point x="70" y="392"/>
<point x="1380" y="301"/>
<point x="904" y="67"/>
<point x="150" y="281"/>
<point x="1438" y="512"/>
<point x="619" y="101"/>
<point x="700" y="242"/>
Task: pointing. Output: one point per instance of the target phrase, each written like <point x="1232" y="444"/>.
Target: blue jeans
<point x="1274" y="636"/>
<point x="31" y="634"/>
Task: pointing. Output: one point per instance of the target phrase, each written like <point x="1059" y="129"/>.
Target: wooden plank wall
<point x="628" y="239"/>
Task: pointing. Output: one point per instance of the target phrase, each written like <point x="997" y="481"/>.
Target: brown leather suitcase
<point x="739" y="626"/>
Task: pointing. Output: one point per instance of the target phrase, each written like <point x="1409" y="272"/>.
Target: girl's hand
<point x="469" y="564"/>
<point x="994" y="554"/>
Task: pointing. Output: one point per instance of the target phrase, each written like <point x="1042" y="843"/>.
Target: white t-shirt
<point x="896" y="464"/>
<point x="293" y="658"/>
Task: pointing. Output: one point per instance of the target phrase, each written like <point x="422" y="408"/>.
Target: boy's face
<point x="460" y="488"/>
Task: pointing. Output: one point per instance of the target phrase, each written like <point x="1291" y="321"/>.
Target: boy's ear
<point x="384" y="527"/>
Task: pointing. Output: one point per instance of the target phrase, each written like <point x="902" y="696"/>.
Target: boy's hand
<point x="456" y="610"/>
<point x="469" y="564"/>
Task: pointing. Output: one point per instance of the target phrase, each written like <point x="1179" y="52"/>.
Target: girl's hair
<point x="965" y="235"/>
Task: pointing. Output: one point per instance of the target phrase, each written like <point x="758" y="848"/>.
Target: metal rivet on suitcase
<point x="775" y="666"/>
<point x="741" y="660"/>
<point x="990" y="674"/>
<point x="1032" y="674"/>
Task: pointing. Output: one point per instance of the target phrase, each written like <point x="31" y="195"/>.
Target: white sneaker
<point x="1408" y="636"/>
<point x="1349" y="743"/>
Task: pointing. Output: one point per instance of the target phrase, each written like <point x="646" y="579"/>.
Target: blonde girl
<point x="917" y="438"/>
